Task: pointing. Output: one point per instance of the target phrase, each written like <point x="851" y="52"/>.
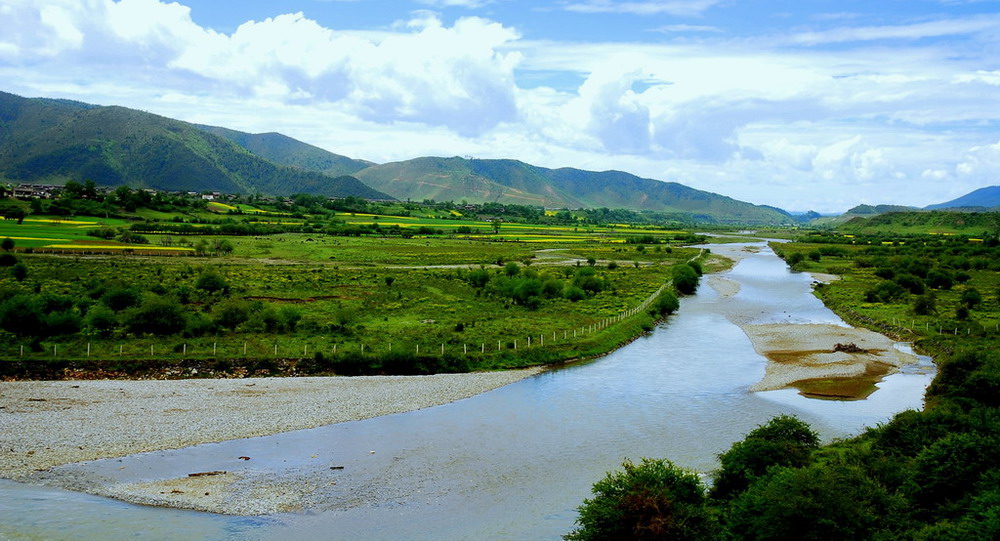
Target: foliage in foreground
<point x="652" y="500"/>
<point x="925" y="475"/>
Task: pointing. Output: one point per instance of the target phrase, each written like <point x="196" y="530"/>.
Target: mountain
<point x="923" y="221"/>
<point x="873" y="210"/>
<point x="284" y="150"/>
<point x="515" y="182"/>
<point x="986" y="198"/>
<point x="52" y="141"/>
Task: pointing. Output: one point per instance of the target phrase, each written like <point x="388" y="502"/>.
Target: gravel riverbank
<point x="44" y="424"/>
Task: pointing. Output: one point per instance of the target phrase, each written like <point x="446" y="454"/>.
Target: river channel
<point x="513" y="463"/>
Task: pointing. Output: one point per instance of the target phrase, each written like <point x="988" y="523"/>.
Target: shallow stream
<point x="509" y="464"/>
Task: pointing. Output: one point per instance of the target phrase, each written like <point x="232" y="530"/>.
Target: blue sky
<point x="804" y="105"/>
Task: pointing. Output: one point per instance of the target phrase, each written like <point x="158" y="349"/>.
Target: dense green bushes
<point x="652" y="500"/>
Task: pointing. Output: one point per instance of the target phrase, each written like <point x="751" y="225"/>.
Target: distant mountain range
<point x="52" y="141"/>
<point x="983" y="198"/>
<point x="512" y="181"/>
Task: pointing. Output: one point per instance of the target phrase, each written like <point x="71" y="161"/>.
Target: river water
<point x="513" y="463"/>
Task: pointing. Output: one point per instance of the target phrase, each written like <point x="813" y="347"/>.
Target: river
<point x="513" y="463"/>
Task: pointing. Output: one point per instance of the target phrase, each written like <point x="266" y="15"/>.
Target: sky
<point x="805" y="105"/>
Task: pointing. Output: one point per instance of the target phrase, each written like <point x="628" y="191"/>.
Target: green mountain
<point x="923" y="222"/>
<point x="284" y="150"/>
<point x="515" y="182"/>
<point x="983" y="198"/>
<point x="52" y="141"/>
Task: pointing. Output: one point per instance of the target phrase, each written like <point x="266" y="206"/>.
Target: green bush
<point x="652" y="500"/>
<point x="814" y="503"/>
<point x="782" y="441"/>
<point x="685" y="279"/>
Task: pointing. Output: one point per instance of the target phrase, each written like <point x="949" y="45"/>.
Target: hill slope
<point x="987" y="197"/>
<point x="922" y="222"/>
<point x="284" y="150"/>
<point x="515" y="182"/>
<point x="54" y="141"/>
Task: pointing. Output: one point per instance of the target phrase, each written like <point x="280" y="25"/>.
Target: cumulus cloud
<point x="431" y="73"/>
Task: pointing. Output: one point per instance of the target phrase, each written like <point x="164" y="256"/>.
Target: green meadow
<point x="327" y="292"/>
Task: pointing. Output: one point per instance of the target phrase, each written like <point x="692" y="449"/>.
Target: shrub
<point x="573" y="293"/>
<point x="230" y="313"/>
<point x="121" y="298"/>
<point x="782" y="441"/>
<point x="886" y="292"/>
<point x="667" y="303"/>
<point x="8" y="260"/>
<point x="211" y="282"/>
<point x="685" y="279"/>
<point x="652" y="500"/>
<point x="157" y="315"/>
<point x="814" y="503"/>
<point x="911" y="283"/>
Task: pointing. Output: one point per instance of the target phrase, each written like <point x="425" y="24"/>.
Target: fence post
<point x="121" y="349"/>
<point x="362" y="349"/>
<point x="529" y="341"/>
<point x="55" y="349"/>
<point x="151" y="354"/>
<point x="482" y="349"/>
<point x="244" y="349"/>
<point x="305" y="350"/>
<point x="418" y="349"/>
<point x="276" y="350"/>
<point x="215" y="347"/>
<point x="442" y="349"/>
<point x="465" y="349"/>
<point x="88" y="349"/>
<point x="184" y="349"/>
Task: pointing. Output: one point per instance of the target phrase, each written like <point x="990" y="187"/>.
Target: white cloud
<point x="981" y="163"/>
<point x="453" y="76"/>
<point x="687" y="28"/>
<point x="471" y="4"/>
<point x="651" y="7"/>
<point x="946" y="27"/>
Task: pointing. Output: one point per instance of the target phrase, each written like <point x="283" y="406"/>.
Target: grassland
<point x="311" y="302"/>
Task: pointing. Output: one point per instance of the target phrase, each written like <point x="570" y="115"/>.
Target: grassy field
<point x="358" y="303"/>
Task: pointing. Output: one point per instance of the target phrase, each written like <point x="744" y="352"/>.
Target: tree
<point x="652" y="500"/>
<point x="511" y="269"/>
<point x="7" y="244"/>
<point x="389" y="280"/>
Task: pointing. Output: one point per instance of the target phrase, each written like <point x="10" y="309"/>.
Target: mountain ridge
<point x="52" y="141"/>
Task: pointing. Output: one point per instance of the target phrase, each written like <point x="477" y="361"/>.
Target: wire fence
<point x="303" y="348"/>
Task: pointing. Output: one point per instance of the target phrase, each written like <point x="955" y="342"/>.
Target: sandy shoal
<point x="798" y="352"/>
<point x="44" y="424"/>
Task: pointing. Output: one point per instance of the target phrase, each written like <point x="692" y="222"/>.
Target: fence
<point x="255" y="348"/>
